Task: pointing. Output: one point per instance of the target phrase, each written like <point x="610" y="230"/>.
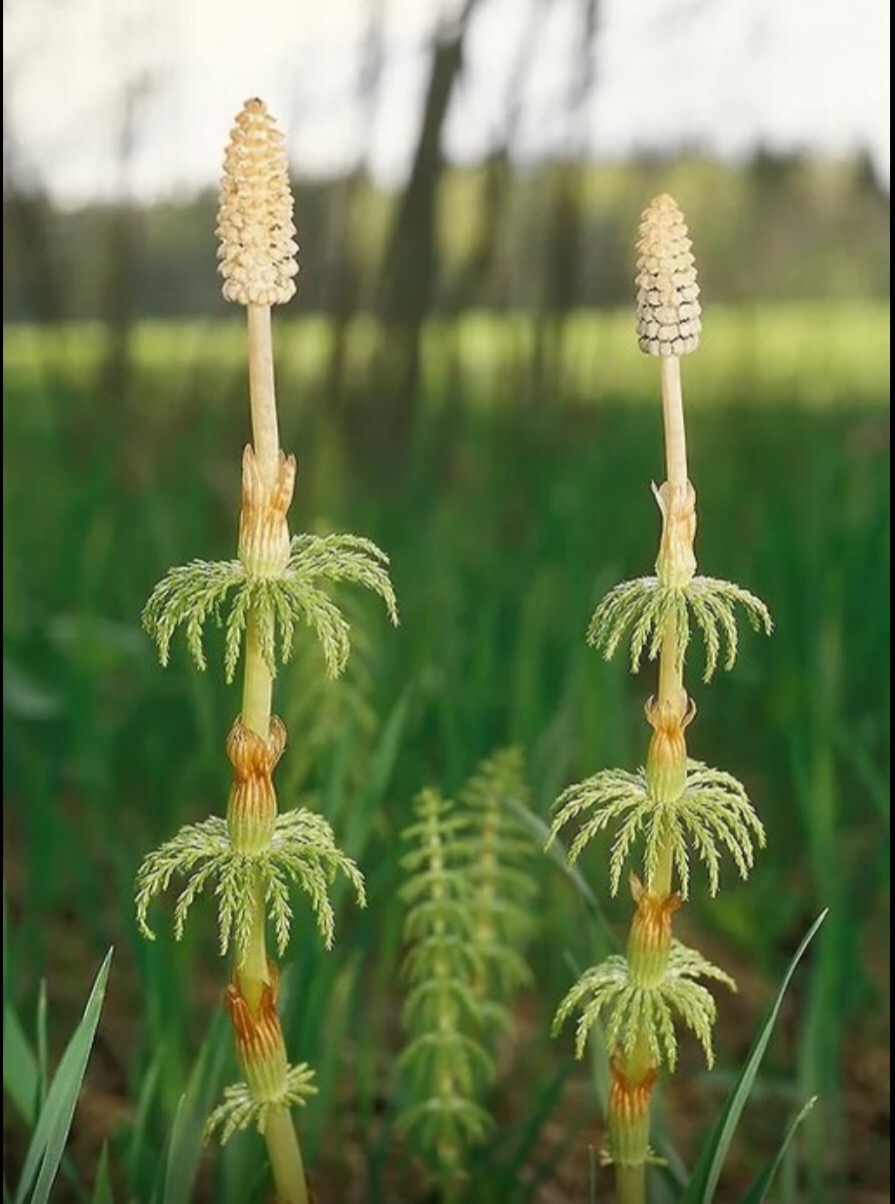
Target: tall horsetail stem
<point x="255" y="856"/>
<point x="673" y="806"/>
<point x="258" y="263"/>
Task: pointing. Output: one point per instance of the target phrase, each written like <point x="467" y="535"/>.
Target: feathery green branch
<point x="192" y="594"/>
<point x="302" y="853"/>
<point x="648" y="610"/>
<point x="632" y="1013"/>
<point x="712" y="814"/>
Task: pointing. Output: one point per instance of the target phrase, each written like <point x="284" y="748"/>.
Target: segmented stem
<point x="253" y="975"/>
<point x="635" y="1069"/>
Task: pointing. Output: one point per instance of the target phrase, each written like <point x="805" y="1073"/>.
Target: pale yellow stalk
<point x="258" y="264"/>
<point x="668" y="326"/>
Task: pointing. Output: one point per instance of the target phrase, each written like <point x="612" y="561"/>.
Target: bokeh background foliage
<point x="460" y="381"/>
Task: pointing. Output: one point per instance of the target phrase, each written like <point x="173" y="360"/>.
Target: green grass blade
<point x="525" y="1137"/>
<point x="7" y="953"/>
<point x="21" y="1078"/>
<point x="140" y="1142"/>
<point x="704" y="1180"/>
<point x="361" y="817"/>
<point x="757" y="1193"/>
<point x="186" y="1142"/>
<point x="557" y="854"/>
<point x="53" y="1124"/>
<point x="670" y="1177"/>
<point x="40" y="1028"/>
<point x="102" y="1187"/>
<point x="20" y="1073"/>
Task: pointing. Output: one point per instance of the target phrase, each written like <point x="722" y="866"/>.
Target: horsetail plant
<point x="497" y="850"/>
<point x="255" y="856"/>
<point x="467" y="891"/>
<point x="675" y="807"/>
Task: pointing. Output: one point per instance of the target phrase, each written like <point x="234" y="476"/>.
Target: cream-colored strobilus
<point x="254" y="856"/>
<point x="674" y="806"/>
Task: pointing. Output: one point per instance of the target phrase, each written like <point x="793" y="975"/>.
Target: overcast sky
<point x="721" y="75"/>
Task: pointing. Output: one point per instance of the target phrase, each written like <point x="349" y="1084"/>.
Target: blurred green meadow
<point x="521" y="496"/>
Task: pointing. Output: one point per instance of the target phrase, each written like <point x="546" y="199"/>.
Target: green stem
<point x="253" y="973"/>
<point x="663" y="878"/>
<point x="631" y="1179"/>
<point x="257" y="687"/>
<point x="639" y="1062"/>
<point x="630" y="1137"/>
<point x="673" y="418"/>
<point x="262" y="391"/>
<point x="630" y="1183"/>
<point x="286" y="1163"/>
<point x="671" y="677"/>
<point x="670" y="693"/>
<point x="283" y="1149"/>
<point x="671" y="685"/>
<point x="257" y="697"/>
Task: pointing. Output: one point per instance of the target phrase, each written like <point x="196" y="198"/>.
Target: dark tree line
<point x="502" y="239"/>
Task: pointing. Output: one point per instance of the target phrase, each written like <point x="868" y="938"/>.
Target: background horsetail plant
<point x="254" y="856"/>
<point x="675" y="806"/>
<point x="469" y="893"/>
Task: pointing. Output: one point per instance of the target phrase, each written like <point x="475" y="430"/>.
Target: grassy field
<point x="525" y="498"/>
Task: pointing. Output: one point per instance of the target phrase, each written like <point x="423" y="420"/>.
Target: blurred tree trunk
<point x="476" y="279"/>
<point x="410" y="270"/>
<point x="344" y="290"/>
<point x="118" y="300"/>
<point x="563" y="233"/>
<point x="122" y="251"/>
<point x="345" y="295"/>
<point x="559" y="282"/>
<point x="30" y="261"/>
<point x="28" y="252"/>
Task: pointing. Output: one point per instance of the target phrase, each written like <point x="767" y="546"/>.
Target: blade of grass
<point x="704" y="1180"/>
<point x="757" y="1193"/>
<point x="558" y="856"/>
<point x="20" y="1073"/>
<point x="185" y="1145"/>
<point x="40" y="1028"/>
<point x="21" y="1077"/>
<point x="53" y="1124"/>
<point x="527" y="1132"/>
<point x="102" y="1188"/>
<point x="140" y="1135"/>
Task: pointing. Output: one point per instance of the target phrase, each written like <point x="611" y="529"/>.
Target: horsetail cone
<point x="668" y="309"/>
<point x="257" y="250"/>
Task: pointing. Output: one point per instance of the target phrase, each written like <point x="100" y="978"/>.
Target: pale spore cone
<point x="257" y="249"/>
<point x="668" y="310"/>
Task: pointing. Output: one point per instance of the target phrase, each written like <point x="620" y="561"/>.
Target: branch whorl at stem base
<point x="302" y="853"/>
<point x="192" y="594"/>
<point x="645" y="1013"/>
<point x="646" y="609"/>
<point x="712" y="814"/>
<point x="241" y="1109"/>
